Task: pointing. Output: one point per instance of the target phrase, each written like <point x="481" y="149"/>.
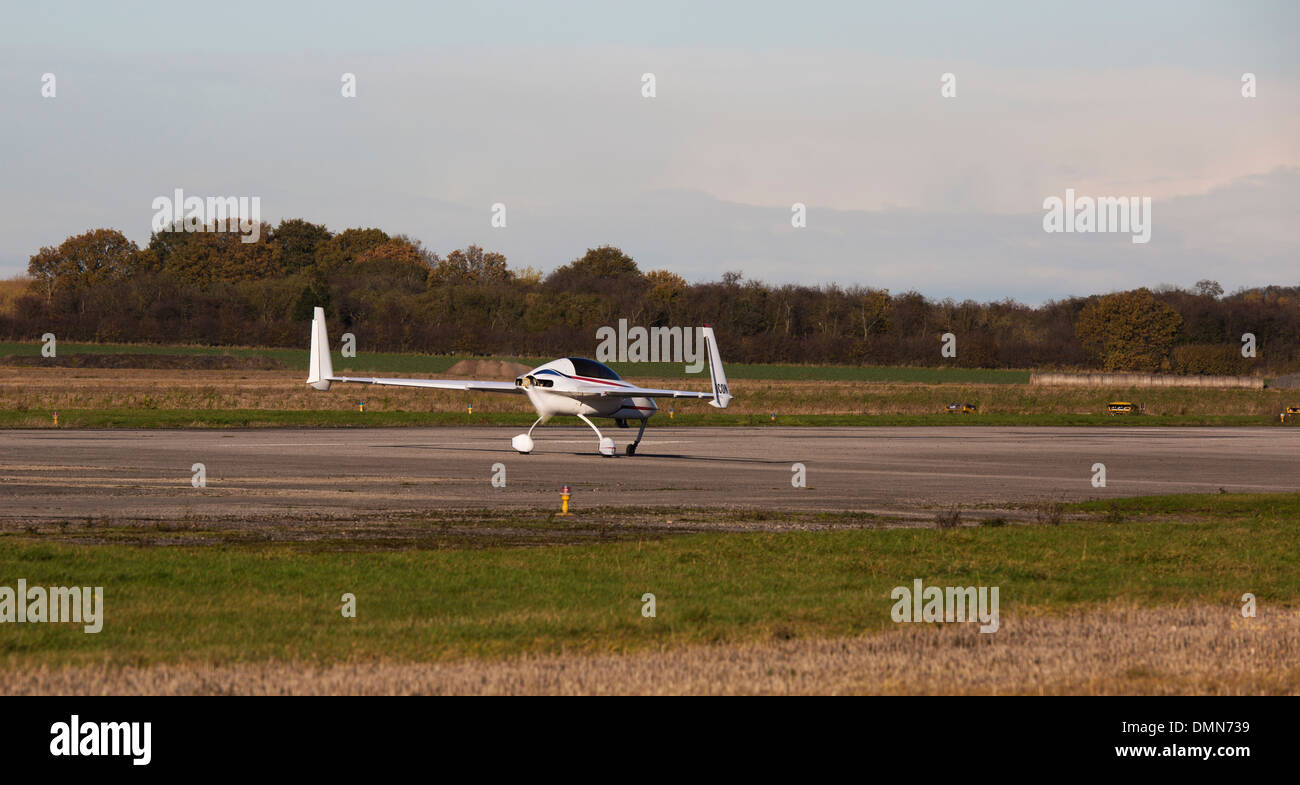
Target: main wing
<point x="440" y="384"/>
<point x="638" y="392"/>
<point x="321" y="373"/>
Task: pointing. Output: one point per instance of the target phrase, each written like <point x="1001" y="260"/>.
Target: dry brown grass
<point x="79" y="388"/>
<point x="1113" y="650"/>
<point x="948" y="519"/>
<point x="1049" y="512"/>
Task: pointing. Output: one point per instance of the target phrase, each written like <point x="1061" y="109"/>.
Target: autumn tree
<point x="343" y="248"/>
<point x="874" y="307"/>
<point x="315" y="294"/>
<point x="1208" y="288"/>
<point x="1128" y="331"/>
<point x="255" y="261"/>
<point x="471" y="266"/>
<point x="43" y="267"/>
<point x="83" y="261"/>
<point x="585" y="273"/>
<point x="666" y="290"/>
<point x="298" y="241"/>
<point x="215" y="254"/>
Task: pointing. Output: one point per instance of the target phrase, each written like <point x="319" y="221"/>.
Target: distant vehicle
<point x="570" y="385"/>
<point x="1292" y="413"/>
<point x="1120" y="407"/>
<point x="963" y="408"/>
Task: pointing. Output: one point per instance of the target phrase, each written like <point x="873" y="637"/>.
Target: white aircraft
<point x="570" y="385"/>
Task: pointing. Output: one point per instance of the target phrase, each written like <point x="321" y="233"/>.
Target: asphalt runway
<point x="52" y="475"/>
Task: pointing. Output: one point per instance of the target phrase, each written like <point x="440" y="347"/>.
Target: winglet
<point x="322" y="368"/>
<point x="721" y="395"/>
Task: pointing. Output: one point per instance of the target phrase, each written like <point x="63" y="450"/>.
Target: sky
<point x="757" y="107"/>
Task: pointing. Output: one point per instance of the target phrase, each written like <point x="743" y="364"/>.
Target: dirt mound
<point x="198" y="362"/>
<point x="488" y="369"/>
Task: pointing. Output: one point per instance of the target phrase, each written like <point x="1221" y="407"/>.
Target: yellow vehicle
<point x="1291" y="414"/>
<point x="964" y="408"/>
<point x="1120" y="407"/>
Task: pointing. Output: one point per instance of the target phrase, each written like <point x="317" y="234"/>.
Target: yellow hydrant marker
<point x="564" y="500"/>
<point x="361" y="406"/>
<point x="56" y="418"/>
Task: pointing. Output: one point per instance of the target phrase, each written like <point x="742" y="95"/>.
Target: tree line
<point x="211" y="288"/>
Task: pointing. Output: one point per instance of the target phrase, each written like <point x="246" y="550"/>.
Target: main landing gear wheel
<point x="631" y="448"/>
<point x="606" y="444"/>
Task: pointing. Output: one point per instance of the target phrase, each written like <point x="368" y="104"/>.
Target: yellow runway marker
<point x="564" y="501"/>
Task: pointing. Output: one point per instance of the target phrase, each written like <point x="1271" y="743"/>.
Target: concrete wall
<point x="1144" y="380"/>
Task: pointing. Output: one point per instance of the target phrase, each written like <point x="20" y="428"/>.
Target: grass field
<point x="796" y="395"/>
<point x="272" y="418"/>
<point x="426" y="364"/>
<point x="274" y="601"/>
<point x="1113" y="650"/>
<point x="91" y="397"/>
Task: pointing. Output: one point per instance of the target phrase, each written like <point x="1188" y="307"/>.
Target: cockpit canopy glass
<point x="584" y="367"/>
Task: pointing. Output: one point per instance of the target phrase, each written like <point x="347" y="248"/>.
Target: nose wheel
<point x="523" y="443"/>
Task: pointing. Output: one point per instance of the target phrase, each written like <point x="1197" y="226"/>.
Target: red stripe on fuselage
<point x="600" y="381"/>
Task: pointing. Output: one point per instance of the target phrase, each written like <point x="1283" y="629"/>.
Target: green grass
<point x="250" y="603"/>
<point x="431" y="364"/>
<point x="352" y="418"/>
<point x="1208" y="505"/>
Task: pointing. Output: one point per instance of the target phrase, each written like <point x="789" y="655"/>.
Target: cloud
<point x="905" y="189"/>
<point x="1239" y="234"/>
